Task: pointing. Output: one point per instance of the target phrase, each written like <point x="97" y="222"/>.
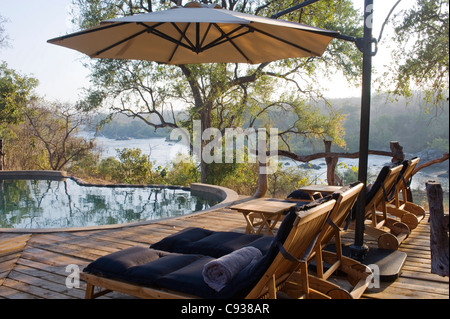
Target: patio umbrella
<point x="198" y="33"/>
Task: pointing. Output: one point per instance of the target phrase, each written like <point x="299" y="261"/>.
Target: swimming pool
<point x="46" y="203"/>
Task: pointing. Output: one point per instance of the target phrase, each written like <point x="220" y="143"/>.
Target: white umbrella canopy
<point x="197" y="33"/>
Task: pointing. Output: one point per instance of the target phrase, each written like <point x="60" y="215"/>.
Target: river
<point x="162" y="152"/>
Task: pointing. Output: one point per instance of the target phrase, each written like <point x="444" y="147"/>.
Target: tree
<point x="421" y="59"/>
<point x="224" y="95"/>
<point x="16" y="91"/>
<point x="55" y="127"/>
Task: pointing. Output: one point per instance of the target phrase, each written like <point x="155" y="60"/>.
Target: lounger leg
<point x="272" y="288"/>
<point x="89" y="291"/>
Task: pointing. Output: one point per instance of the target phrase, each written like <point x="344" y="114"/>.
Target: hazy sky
<point x="30" y="23"/>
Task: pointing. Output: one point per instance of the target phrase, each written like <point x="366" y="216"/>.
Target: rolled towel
<point x="218" y="272"/>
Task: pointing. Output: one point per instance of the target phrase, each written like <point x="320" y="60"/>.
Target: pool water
<point x="37" y="204"/>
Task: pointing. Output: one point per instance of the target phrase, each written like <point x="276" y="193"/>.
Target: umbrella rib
<point x="205" y="35"/>
<point x="223" y="39"/>
<point x="68" y="36"/>
<point x="183" y="35"/>
<point x="283" y="40"/>
<point x="179" y="41"/>
<point x="226" y="36"/>
<point x="197" y="36"/>
<point x="118" y="43"/>
<point x="164" y="36"/>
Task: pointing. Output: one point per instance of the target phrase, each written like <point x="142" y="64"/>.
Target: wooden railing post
<point x="331" y="164"/>
<point x="439" y="244"/>
<point x="397" y="152"/>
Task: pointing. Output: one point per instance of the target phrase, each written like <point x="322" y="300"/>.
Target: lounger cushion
<point x="172" y="271"/>
<point x="378" y="183"/>
<point x="189" y="280"/>
<point x="301" y="195"/>
<point x="214" y="243"/>
<point x="140" y="264"/>
<point x="210" y="243"/>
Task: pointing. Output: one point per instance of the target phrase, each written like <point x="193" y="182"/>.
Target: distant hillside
<point x="414" y="125"/>
<point x="124" y="127"/>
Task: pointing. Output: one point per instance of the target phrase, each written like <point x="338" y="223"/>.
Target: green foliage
<point x="47" y="138"/>
<point x="134" y="167"/>
<point x="182" y="173"/>
<point x="439" y="144"/>
<point x="349" y="174"/>
<point x="421" y="60"/>
<point x="403" y="121"/>
<point x="241" y="177"/>
<point x="108" y="169"/>
<point x="285" y="180"/>
<point x="15" y="92"/>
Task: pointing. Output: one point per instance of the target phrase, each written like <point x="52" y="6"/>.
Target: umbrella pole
<point x="386" y="264"/>
<point x="359" y="249"/>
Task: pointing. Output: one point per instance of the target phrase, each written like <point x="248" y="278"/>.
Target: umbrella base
<point x="387" y="264"/>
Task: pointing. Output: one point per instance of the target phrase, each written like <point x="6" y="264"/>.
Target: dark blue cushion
<point x="190" y="280"/>
<point x="206" y="242"/>
<point x="177" y="242"/>
<point x="139" y="264"/>
<point x="301" y="195"/>
<point x="215" y="243"/>
<point x="222" y="243"/>
<point x="378" y="184"/>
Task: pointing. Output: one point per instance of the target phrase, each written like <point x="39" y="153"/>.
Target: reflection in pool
<point x="36" y="204"/>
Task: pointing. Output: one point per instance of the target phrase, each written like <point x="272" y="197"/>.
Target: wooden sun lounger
<point x="357" y="274"/>
<point x="305" y="230"/>
<point x="400" y="206"/>
<point x="389" y="232"/>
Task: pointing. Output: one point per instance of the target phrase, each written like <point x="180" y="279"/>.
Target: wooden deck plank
<point x="33" y="286"/>
<point x="11" y="244"/>
<point x="33" y="265"/>
<point x="7" y="292"/>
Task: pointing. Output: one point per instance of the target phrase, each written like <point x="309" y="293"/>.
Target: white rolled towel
<point x="218" y="272"/>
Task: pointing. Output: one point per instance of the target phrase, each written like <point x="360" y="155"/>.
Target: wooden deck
<point x="35" y="265"/>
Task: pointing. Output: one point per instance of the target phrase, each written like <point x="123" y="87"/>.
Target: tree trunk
<point x="262" y="182"/>
<point x="331" y="164"/>
<point x="439" y="244"/>
<point x="206" y="122"/>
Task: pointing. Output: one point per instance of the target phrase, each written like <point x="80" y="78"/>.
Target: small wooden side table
<point x="262" y="213"/>
<point x="319" y="189"/>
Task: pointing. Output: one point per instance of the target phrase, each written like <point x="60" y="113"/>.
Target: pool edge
<point x="228" y="196"/>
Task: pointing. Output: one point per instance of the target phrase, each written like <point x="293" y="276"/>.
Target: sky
<point x="30" y="23"/>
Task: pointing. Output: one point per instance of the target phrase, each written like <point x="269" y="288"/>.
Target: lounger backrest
<point x="405" y="176"/>
<point x="383" y="186"/>
<point x="346" y="198"/>
<point x="297" y="246"/>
